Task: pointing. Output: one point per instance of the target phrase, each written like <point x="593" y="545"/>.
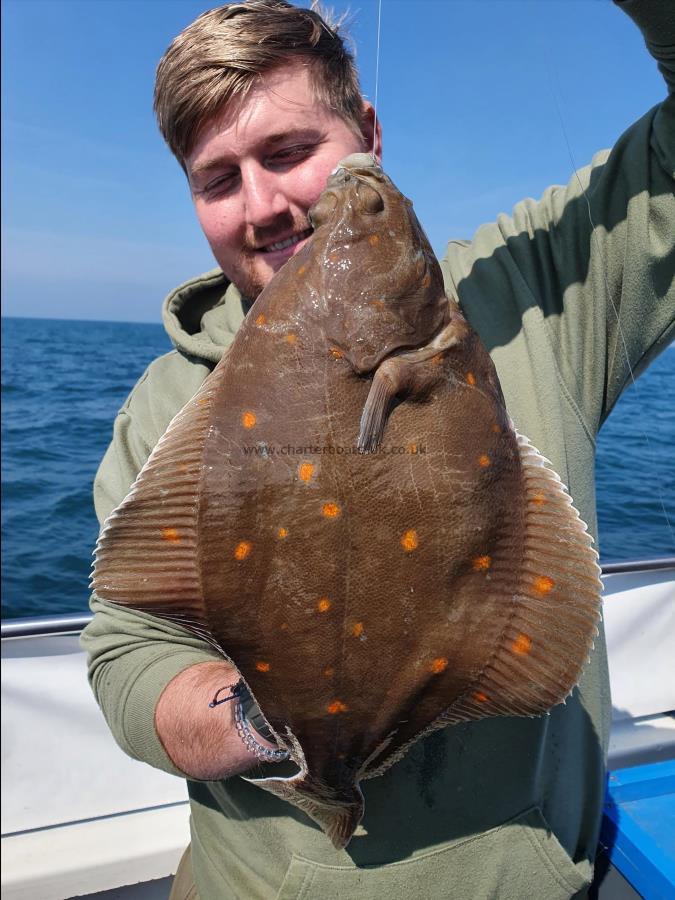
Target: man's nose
<point x="264" y="198"/>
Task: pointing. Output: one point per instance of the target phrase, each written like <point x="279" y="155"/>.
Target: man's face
<point x="255" y="175"/>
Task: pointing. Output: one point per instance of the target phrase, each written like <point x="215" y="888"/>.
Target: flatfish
<point x="347" y="512"/>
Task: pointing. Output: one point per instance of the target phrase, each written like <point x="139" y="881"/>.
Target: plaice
<point x="346" y="511"/>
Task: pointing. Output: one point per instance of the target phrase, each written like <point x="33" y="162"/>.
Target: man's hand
<point x="202" y="741"/>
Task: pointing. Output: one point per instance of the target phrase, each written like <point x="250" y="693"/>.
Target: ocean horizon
<point x="63" y="381"/>
<point x="82" y="321"/>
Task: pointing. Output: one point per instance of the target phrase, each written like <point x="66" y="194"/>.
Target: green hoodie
<point x="502" y="808"/>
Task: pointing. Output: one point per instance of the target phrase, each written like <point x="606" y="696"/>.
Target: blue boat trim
<point x="638" y="830"/>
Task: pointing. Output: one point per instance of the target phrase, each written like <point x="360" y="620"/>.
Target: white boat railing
<point x="70" y="623"/>
<point x="33" y="626"/>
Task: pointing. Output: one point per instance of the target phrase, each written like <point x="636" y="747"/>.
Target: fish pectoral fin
<point x="376" y="409"/>
<point x="411" y="374"/>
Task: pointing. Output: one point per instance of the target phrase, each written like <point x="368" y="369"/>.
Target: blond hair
<point x="213" y="63"/>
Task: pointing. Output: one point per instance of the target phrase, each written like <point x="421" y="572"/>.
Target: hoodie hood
<point x="202" y="315"/>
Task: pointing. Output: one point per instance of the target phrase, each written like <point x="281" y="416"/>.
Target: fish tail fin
<point x="337" y="815"/>
<point x="341" y="823"/>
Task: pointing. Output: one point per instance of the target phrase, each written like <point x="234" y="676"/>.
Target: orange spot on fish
<point x="481" y="563"/>
<point x="329" y="671"/>
<point x="470" y="378"/>
<point x="438" y="359"/>
<point x="497" y="429"/>
<point x="426" y="281"/>
<point x="203" y="401"/>
<point x="242" y="550"/>
<point x="333" y="256"/>
<point x="538" y="499"/>
<point x="248" y="419"/>
<point x="335" y="353"/>
<point x="357" y="629"/>
<point x="544" y="585"/>
<point x="171" y="535"/>
<point x="261" y="319"/>
<point x="302" y="270"/>
<point x="373" y="240"/>
<point x="337" y="706"/>
<point x="481" y="697"/>
<point x="438" y="665"/>
<point x="522" y="645"/>
<point x="282" y="533"/>
<point x="484" y="461"/>
<point x="412" y="448"/>
<point x="323" y="605"/>
<point x="305" y="471"/>
<point x="262" y="666"/>
<point x="284" y="626"/>
<point x="291" y="338"/>
<point x="330" y="510"/>
<point x="378" y="304"/>
<point x="409" y="540"/>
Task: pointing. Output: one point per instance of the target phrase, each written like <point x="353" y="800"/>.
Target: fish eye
<point x="322" y="209"/>
<point x="371" y="200"/>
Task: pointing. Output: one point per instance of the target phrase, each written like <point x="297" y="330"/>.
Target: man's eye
<point x="219" y="185"/>
<point x="291" y="154"/>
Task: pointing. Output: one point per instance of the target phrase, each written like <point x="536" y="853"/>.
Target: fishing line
<point x="377" y="75"/>
<point x="338" y="724"/>
<point x="596" y="245"/>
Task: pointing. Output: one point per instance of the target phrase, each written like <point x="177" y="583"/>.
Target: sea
<point x="64" y="381"/>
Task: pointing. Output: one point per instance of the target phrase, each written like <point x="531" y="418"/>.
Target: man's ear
<point x="371" y="130"/>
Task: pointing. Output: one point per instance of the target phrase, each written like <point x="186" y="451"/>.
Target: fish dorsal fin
<point x="549" y="635"/>
<point x="553" y="615"/>
<point x="147" y="554"/>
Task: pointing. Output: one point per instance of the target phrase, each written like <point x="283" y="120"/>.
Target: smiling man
<point x="259" y="101"/>
<point x="259" y="128"/>
<point x="255" y="171"/>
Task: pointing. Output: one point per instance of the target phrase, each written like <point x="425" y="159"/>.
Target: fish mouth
<point x="359" y="161"/>
<point x="286" y="243"/>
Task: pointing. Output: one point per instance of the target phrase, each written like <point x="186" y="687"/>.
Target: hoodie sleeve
<point x="132" y="656"/>
<point x="595" y="256"/>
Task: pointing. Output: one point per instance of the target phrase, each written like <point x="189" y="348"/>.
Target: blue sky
<point x="96" y="218"/>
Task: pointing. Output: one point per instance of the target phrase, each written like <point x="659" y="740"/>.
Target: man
<point x="258" y="102"/>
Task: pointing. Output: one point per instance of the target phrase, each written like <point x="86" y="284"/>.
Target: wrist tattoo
<point x="249" y="721"/>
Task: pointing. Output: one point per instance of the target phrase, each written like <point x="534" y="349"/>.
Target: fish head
<point x="381" y="285"/>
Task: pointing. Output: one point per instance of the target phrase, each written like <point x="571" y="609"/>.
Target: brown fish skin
<point x="366" y="597"/>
